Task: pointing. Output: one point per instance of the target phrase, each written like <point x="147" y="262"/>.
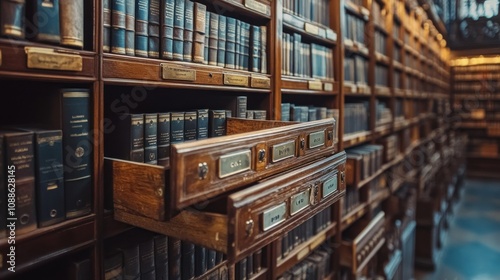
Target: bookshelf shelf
<point x="357" y="138"/>
<point x="241" y="7"/>
<point x="309" y="36"/>
<point x="294" y="84"/>
<point x="357" y="10"/>
<point x="382" y="91"/>
<point x="356" y="48"/>
<point x="303" y="250"/>
<point x="382" y="59"/>
<point x="354" y="215"/>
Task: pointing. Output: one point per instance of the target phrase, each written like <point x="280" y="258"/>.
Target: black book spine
<point x="118" y="25"/>
<point x="106" y="21"/>
<point x="219" y="257"/>
<point x="177" y="127"/>
<point x="141" y="27"/>
<point x="257" y="261"/>
<point x="131" y="264"/>
<point x="12" y="18"/>
<point x="77" y="153"/>
<point x="240" y="109"/>
<point x="249" y="268"/>
<point x="113" y="266"/>
<point x="163" y="136"/>
<point x="188" y="30"/>
<point x="255" y="48"/>
<point x="202" y="126"/>
<point x="174" y="256"/>
<point x="211" y="258"/>
<point x="241" y="270"/>
<point x="217" y="123"/>
<point x="187" y="261"/>
<point x="147" y="256"/>
<point x="190" y="122"/>
<point x="154" y="29"/>
<point x="151" y="138"/>
<point x="130" y="27"/>
<point x="200" y="260"/>
<point x="161" y="257"/>
<point x="178" y="47"/>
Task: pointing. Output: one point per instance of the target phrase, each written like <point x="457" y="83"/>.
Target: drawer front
<point x="262" y="213"/>
<point x="207" y="168"/>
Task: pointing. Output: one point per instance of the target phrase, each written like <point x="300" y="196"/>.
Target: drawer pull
<point x="249" y="227"/>
<point x="262" y="155"/>
<point x="202" y="170"/>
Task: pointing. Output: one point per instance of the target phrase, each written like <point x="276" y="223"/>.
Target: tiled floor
<point x="472" y="248"/>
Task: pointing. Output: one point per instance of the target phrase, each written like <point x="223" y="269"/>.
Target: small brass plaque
<point x="274" y="216"/>
<point x="311" y="28"/>
<point x="315" y="85"/>
<point x="328" y="86"/>
<point x="331" y="35"/>
<point x="329" y="186"/>
<point x="299" y="202"/>
<point x="235" y="80"/>
<point x="316" y="139"/>
<point x="234" y="163"/>
<point x="283" y="151"/>
<point x="174" y="72"/>
<point x="43" y="58"/>
<point x="257" y="6"/>
<point x="348" y="43"/>
<point x="260" y="82"/>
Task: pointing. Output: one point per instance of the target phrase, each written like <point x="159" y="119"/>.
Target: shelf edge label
<point x="330" y="186"/>
<point x="316" y="139"/>
<point x="234" y="163"/>
<point x="315" y="85"/>
<point x="171" y="72"/>
<point x="257" y="6"/>
<point x="260" y="82"/>
<point x="273" y="216"/>
<point x="299" y="202"/>
<point x="311" y="28"/>
<point x="49" y="59"/>
<point x="235" y="80"/>
<point x="283" y="151"/>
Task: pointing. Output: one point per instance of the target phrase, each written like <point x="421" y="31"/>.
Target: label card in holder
<point x="330" y="186"/>
<point x="257" y="6"/>
<point x="234" y="163"/>
<point x="283" y="151"/>
<point x="50" y="59"/>
<point x="235" y="80"/>
<point x="171" y="72"/>
<point x="315" y="85"/>
<point x="299" y="202"/>
<point x="273" y="216"/>
<point x="316" y="139"/>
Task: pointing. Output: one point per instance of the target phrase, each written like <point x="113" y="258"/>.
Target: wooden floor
<point x="472" y="246"/>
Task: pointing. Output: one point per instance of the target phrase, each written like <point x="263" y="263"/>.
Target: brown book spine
<point x="200" y="11"/>
<point x="71" y="13"/>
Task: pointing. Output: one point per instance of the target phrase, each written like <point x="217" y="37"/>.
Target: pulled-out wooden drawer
<point x="246" y="220"/>
<point x="361" y="242"/>
<point x="203" y="169"/>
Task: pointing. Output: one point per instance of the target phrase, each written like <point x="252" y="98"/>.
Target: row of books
<point x="383" y="114"/>
<point x="354" y="28"/>
<point x="183" y="30"/>
<point x="356" y="69"/>
<point x="478" y="76"/>
<point x="378" y="14"/>
<point x="381" y="75"/>
<point x="399" y="113"/>
<point x="160" y="257"/>
<point x="305" y="59"/>
<point x="304" y="232"/>
<point x="397" y="79"/>
<point x="317" y="266"/>
<point x="47" y="171"/>
<point x="350" y="201"/>
<point x="396" y="29"/>
<point x="391" y="147"/>
<point x="249" y="266"/>
<point x="312" y="10"/>
<point x="356" y="117"/>
<point x="54" y="22"/>
<point x="485" y="68"/>
<point x="380" y="42"/>
<point x="377" y="185"/>
<point x="364" y="161"/>
<point x="396" y="54"/>
<point x="292" y="112"/>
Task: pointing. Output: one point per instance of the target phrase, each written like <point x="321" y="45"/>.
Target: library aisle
<point x="472" y="246"/>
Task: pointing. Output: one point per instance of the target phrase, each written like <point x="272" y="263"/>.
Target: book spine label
<point x="178" y="47"/>
<point x="130" y="27"/>
<point x="188" y="30"/>
<point x="147" y="256"/>
<point x="49" y="178"/>
<point x="213" y="39"/>
<point x="12" y="18"/>
<point x="141" y="27"/>
<point x="131" y="263"/>
<point x="163" y="136"/>
<point x="217" y="123"/>
<point x="202" y="126"/>
<point x="190" y="122"/>
<point x="161" y="257"/>
<point x="20" y="154"/>
<point x="200" y="12"/>
<point x="154" y="29"/>
<point x="78" y="152"/>
<point x="151" y="138"/>
<point x="44" y="17"/>
<point x="230" y="42"/>
<point x="177" y="127"/>
<point x="221" y="46"/>
<point x="174" y="255"/>
<point x="167" y="29"/>
<point x="106" y="21"/>
<point x="118" y="24"/>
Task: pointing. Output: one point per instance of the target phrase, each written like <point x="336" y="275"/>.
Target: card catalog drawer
<point x="248" y="219"/>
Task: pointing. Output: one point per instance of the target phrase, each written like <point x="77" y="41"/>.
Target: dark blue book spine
<point x="43" y="21"/>
<point x="188" y="30"/>
<point x="217" y="123"/>
<point x="154" y="29"/>
<point x="12" y="18"/>
<point x="187" y="261"/>
<point x="118" y="26"/>
<point x="141" y="27"/>
<point x="202" y="126"/>
<point x="238" y="41"/>
<point x="178" y="47"/>
<point x="213" y="39"/>
<point x="106" y="31"/>
<point x="230" y="42"/>
<point x="255" y="48"/>
<point x="221" y="47"/>
<point x="207" y="33"/>
<point x="211" y="254"/>
<point x="78" y="151"/>
<point x="200" y="260"/>
<point x="49" y="177"/>
<point x="285" y="111"/>
<point x="177" y="127"/>
<point x="151" y="138"/>
<point x="190" y="123"/>
<point x="246" y="47"/>
<point x="167" y="29"/>
<point x="130" y="27"/>
<point x="163" y="136"/>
